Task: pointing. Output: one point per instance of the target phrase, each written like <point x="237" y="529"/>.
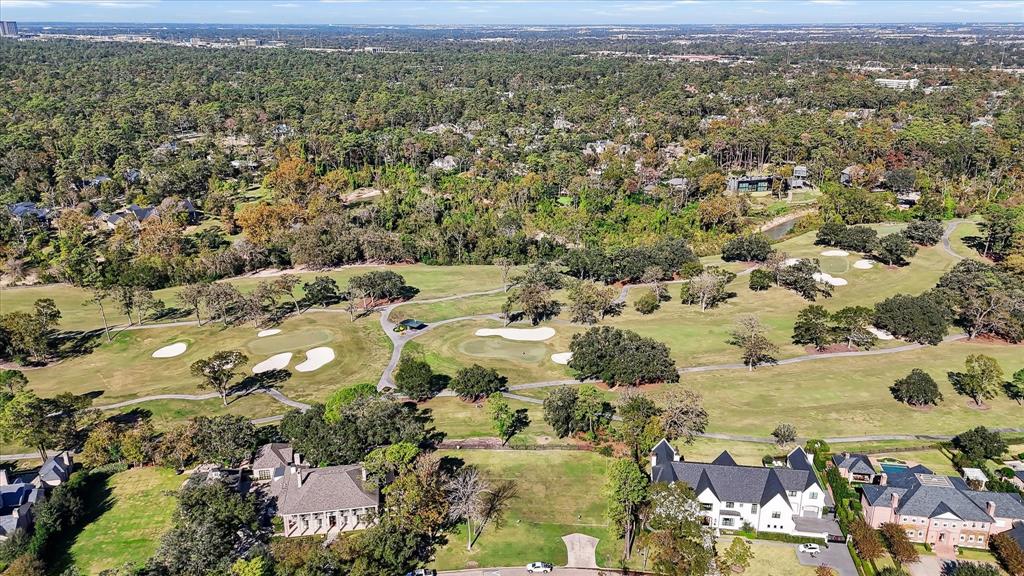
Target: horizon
<point x="512" y="13"/>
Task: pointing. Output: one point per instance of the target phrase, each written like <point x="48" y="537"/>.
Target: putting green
<point x="505" y="349"/>
<point x="289" y="341"/>
<point x="834" y="264"/>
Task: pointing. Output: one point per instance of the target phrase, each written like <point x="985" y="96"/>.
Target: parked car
<point x="423" y="572"/>
<point x="535" y="567"/>
<point x="810" y="548"/>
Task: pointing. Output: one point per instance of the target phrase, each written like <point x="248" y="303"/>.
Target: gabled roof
<point x="322" y="489"/>
<point x="56" y="468"/>
<point x="724" y="459"/>
<point x="855" y="463"/>
<point x="273" y="455"/>
<point x="928" y="495"/>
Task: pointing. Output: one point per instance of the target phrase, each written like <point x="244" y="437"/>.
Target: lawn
<point x="133" y="509"/>
<point x="560" y="493"/>
<point x="771" y="559"/>
<point x="124" y="368"/>
<point x="459" y="419"/>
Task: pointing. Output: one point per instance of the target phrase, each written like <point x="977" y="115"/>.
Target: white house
<point x="787" y="499"/>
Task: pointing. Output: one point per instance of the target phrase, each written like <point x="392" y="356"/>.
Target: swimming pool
<point x="891" y="468"/>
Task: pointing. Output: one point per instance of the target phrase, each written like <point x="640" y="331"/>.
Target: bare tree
<point x="749" y="335"/>
<point x="684" y="415"/>
<point x="97" y="296"/>
<point x="285" y="285"/>
<point x="194" y="295"/>
<point x="465" y="498"/>
<point x="505" y="264"/>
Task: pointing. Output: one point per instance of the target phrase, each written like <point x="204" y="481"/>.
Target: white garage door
<point x="810" y="510"/>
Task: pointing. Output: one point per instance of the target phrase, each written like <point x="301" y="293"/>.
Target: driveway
<point x="837" y="556"/>
<point x="582" y="550"/>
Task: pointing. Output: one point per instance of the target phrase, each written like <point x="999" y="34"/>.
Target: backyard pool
<point x="891" y="468"/>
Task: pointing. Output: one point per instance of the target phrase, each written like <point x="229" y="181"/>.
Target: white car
<point x="810" y="548"/>
<point x="535" y="567"/>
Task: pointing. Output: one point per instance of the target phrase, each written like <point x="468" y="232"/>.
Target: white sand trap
<point x="880" y="334"/>
<point x="790" y="262"/>
<point x="176" y="349"/>
<point x="268" y="332"/>
<point x="561" y="357"/>
<point x="863" y="264"/>
<point x="835" y="253"/>
<point x="316" y="359"/>
<point x="828" y="279"/>
<point x="523" y="334"/>
<point x="275" y="362"/>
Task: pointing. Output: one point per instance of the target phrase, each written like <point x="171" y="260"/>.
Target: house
<point x="1017" y="533"/>
<point x="942" y="511"/>
<point x="799" y="177"/>
<point x="323" y="500"/>
<point x="55" y="471"/>
<point x="854" y="467"/>
<point x="749" y="184"/>
<point x="22" y="210"/>
<point x="273" y="459"/>
<point x="447" y="163"/>
<point x="898" y="84"/>
<point x="138" y="215"/>
<point x="18" y="496"/>
<point x="787" y="500"/>
<point x="975" y="477"/>
<point x="848" y="174"/>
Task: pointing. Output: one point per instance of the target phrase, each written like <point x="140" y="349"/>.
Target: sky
<point x="511" y="12"/>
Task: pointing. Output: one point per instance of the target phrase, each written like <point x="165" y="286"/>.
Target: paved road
<point x="946" y="233"/>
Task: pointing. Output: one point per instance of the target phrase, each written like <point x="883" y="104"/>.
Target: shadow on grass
<point x="97" y="500"/>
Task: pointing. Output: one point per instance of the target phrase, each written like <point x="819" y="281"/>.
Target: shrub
<point x="760" y="280"/>
<point x="647" y="303"/>
<point x="749" y="248"/>
<point x="477" y="382"/>
<point x="917" y="389"/>
<point x="924" y="232"/>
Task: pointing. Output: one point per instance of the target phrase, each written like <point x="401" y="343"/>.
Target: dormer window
<point x="792" y="493"/>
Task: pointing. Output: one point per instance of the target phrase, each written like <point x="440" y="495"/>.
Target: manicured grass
<point x="560" y="493"/>
<point x="124" y="368"/>
<point x="459" y="419"/>
<point x="132" y="517"/>
<point x="957" y="240"/>
<point x="485" y="304"/>
<point x="772" y="559"/>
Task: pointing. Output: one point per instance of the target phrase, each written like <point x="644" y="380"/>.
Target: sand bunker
<point x="863" y="264"/>
<point x="835" y="253"/>
<point x="880" y="334"/>
<point x="522" y="334"/>
<point x="176" y="349"/>
<point x="561" y="357"/>
<point x="275" y="362"/>
<point x="315" y="359"/>
<point x="829" y="279"/>
<point x="790" y="262"/>
<point x="268" y="332"/>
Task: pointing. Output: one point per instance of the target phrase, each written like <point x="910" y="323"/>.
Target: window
<point x="792" y="493"/>
<point x="961" y="537"/>
<point x="776" y="515"/>
<point x="920" y="534"/>
<point x="264" y="475"/>
<point x="706" y="507"/>
<point x="730" y="504"/>
<point x="813" y="495"/>
<point x="971" y="538"/>
<point x="981" y="540"/>
<point x="753" y="508"/>
<point x="726" y="521"/>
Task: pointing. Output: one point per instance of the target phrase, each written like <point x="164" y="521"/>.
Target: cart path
<point x="946" y="233"/>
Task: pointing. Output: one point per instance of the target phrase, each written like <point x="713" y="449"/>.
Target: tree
<point x="559" y="410"/>
<point x="415" y="379"/>
<point x="380" y="285"/>
<point x="384" y="463"/>
<point x="964" y="568"/>
<point x="851" y="324"/>
<point x="917" y="389"/>
<point x="218" y="370"/>
<point x="924" y="232"/>
<point x="749" y="248"/>
<point x="28" y="336"/>
<point x="737" y="556"/>
<point x="617" y="357"/>
<point x="590" y="411"/>
<point x="749" y="336"/>
<point x="43" y="423"/>
<point x="800" y="278"/>
<point x="627" y="491"/>
<point x="534" y="300"/>
<point x="984" y="299"/>
<point x="981" y="380"/>
<point x="894" y="249"/>
<point x="708" y="289"/>
<point x="193" y="296"/>
<point x="322" y="291"/>
<point x="465" y="498"/>
<point x="97" y="295"/>
<point x="507" y="422"/>
<point x="1009" y="553"/>
<point x="683" y="544"/>
<point x="505" y="265"/>
<point x="683" y="415"/>
<point x="866" y="539"/>
<point x="922" y="319"/>
<point x="640" y="427"/>
<point x="285" y="285"/>
<point x="476" y="382"/>
<point x="221" y="298"/>
<point x="824" y="570"/>
<point x="784" y="434"/>
<point x="812" y="327"/>
<point x="980" y="444"/>
<point x="761" y="279"/>
<point x="589" y="301"/>
<point x="226" y="440"/>
<point x="900" y="547"/>
<point x="647" y="303"/>
<point x="1014" y="388"/>
<point x="15" y="381"/>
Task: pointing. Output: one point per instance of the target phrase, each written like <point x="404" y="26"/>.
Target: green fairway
<point x="124" y="368"/>
<point x="133" y="510"/>
<point x="459" y="419"/>
<point x="560" y="493"/>
<point x="472" y="305"/>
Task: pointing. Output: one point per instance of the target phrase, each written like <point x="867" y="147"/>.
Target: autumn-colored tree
<point x="265" y="223"/>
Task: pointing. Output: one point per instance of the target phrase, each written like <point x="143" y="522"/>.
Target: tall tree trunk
<point x="106" y="329"/>
<point x="296" y="303"/>
<point x="469" y="534"/>
<point x="199" y="319"/>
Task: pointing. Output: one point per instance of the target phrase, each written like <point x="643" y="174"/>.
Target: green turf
<point x="773" y="559"/>
<point x="459" y="419"/>
<point x="560" y="493"/>
<point x="137" y="512"/>
<point x="292" y="341"/>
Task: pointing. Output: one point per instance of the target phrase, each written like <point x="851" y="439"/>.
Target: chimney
<point x="846" y="455"/>
<point x="895" y="501"/>
<point x="363" y="470"/>
<point x="65" y="456"/>
<point x="990" y="508"/>
<point x="299" y="476"/>
<point x="3" y="477"/>
<point x="883" y="479"/>
<point x="297" y="458"/>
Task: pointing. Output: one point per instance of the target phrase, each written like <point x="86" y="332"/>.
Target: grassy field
<point x="124" y="368"/>
<point x="560" y="493"/>
<point x="459" y="419"/>
<point x="132" y="510"/>
<point x="771" y="559"/>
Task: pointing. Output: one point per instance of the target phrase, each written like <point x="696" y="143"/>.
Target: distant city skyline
<point x="513" y="12"/>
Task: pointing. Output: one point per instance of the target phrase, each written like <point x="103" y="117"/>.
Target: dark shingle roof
<point x="855" y="463"/>
<point x="724" y="459"/>
<point x="55" y="469"/>
<point x="273" y="456"/>
<point x="322" y="489"/>
<point x="928" y="495"/>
